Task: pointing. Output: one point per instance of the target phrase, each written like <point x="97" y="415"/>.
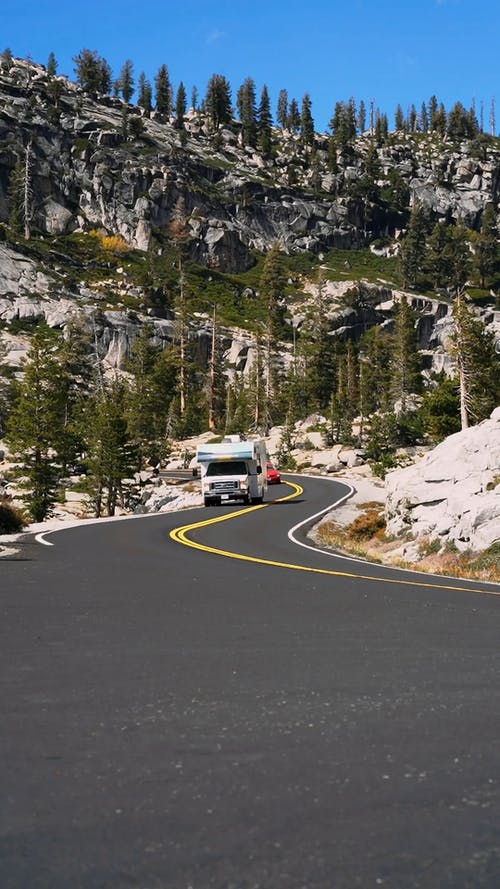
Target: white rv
<point x="233" y="470"/>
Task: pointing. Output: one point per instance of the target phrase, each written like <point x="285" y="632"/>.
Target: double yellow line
<point x="180" y="535"/>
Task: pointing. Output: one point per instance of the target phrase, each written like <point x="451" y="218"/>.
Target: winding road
<point x="193" y="700"/>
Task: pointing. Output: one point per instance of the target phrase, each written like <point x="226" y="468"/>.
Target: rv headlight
<point x="244" y="485"/>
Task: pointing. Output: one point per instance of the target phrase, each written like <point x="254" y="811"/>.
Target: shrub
<point x="368" y="525"/>
<point x="115" y="244"/>
<point x="429" y="546"/>
<point x="12" y="520"/>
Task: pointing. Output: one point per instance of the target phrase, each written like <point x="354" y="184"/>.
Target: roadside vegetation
<point x="365" y="537"/>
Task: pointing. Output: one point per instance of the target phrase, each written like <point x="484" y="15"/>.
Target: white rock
<point x="453" y="492"/>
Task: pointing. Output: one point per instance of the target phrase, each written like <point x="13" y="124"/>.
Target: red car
<point x="273" y="476"/>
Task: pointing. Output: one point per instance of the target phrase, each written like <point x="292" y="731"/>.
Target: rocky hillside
<point x="89" y="173"/>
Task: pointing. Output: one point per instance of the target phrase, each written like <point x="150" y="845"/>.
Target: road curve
<point x="270" y="717"/>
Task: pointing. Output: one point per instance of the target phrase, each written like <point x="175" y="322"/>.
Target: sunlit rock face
<point x="453" y="492"/>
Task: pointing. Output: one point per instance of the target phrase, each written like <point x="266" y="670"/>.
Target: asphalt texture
<point x="177" y="719"/>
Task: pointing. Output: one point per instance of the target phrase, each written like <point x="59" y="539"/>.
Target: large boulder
<point x="453" y="493"/>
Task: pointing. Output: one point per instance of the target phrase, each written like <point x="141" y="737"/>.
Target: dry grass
<point x="365" y="538"/>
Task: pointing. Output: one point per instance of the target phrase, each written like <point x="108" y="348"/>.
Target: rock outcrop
<point x="453" y="493"/>
<point x="86" y="172"/>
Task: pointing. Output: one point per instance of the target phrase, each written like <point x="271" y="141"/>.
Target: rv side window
<point x="227" y="467"/>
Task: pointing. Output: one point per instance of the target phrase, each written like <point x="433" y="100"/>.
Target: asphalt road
<point x="175" y="718"/>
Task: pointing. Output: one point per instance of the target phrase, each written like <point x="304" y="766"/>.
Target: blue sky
<point x="384" y="50"/>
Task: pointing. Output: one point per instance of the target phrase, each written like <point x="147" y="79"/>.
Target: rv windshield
<point x="227" y="467"/>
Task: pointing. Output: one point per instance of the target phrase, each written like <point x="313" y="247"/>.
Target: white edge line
<point x="326" y="552"/>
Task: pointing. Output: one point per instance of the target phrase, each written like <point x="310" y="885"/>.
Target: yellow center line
<point x="179" y="535"/>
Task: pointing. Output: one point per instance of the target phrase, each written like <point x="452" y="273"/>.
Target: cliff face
<point x="86" y="173"/>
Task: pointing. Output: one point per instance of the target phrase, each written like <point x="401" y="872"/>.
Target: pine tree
<point x="306" y="121"/>
<point x="140" y="405"/>
<point x="218" y="101"/>
<point x="282" y="109"/>
<point x="460" y="259"/>
<point x="399" y="120"/>
<point x="478" y="365"/>
<point x="441" y="409"/>
<point x="145" y="100"/>
<point x="361" y="121"/>
<point x="126" y="81"/>
<point x="264" y="123"/>
<point x="424" y="118"/>
<point x="487" y="251"/>
<point x="163" y="92"/>
<point x="51" y="65"/>
<point x="247" y="111"/>
<point x="93" y="72"/>
<point x="217" y="380"/>
<point x="405" y="361"/>
<point x="110" y="454"/>
<point x="180" y="106"/>
<point x="272" y="286"/>
<point x="317" y="353"/>
<point x="438" y="257"/>
<point x="413" y="247"/>
<point x="34" y="428"/>
<point x="179" y="232"/>
<point x="433" y="112"/>
<point x="293" y="117"/>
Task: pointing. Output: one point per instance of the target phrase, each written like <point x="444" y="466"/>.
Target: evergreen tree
<point x="272" y="286"/>
<point x="34" y="428"/>
<point x="194" y="98"/>
<point x="126" y="81"/>
<point x="433" y="113"/>
<point x="264" y="123"/>
<point x="487" y="251"/>
<point x="438" y="258"/>
<point x="51" y="65"/>
<point x="478" y="365"/>
<point x="110" y="454"/>
<point x="461" y="123"/>
<point x="424" y="118"/>
<point x="361" y="121"/>
<point x="163" y="92"/>
<point x="80" y="377"/>
<point x="282" y="109"/>
<point x="272" y="289"/>
<point x="141" y="403"/>
<point x="406" y="376"/>
<point x="399" y="120"/>
<point x="20" y="194"/>
<point x="217" y="379"/>
<point x="218" y="101"/>
<point x="293" y="117"/>
<point x="246" y="105"/>
<point x="413" y="247"/>
<point x="93" y="72"/>
<point x="306" y="121"/>
<point x="180" y="106"/>
<point x="317" y="353"/>
<point x="145" y="100"/>
<point x="440" y="120"/>
<point x="459" y="257"/>
<point x="441" y="409"/>
<point x="376" y="354"/>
